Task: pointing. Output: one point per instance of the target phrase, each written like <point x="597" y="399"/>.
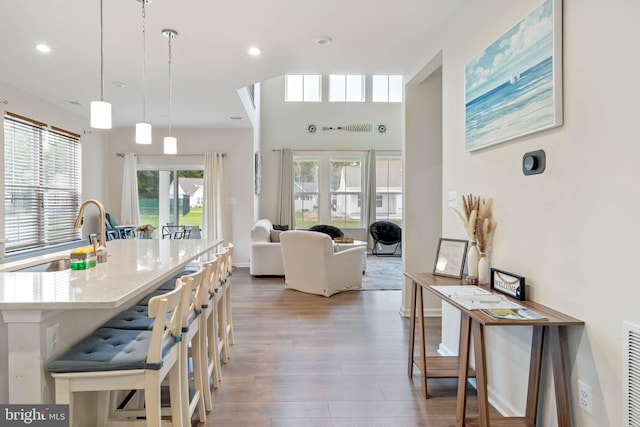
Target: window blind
<point x="42" y="173"/>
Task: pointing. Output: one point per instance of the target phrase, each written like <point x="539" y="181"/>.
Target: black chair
<point x="173" y="231"/>
<point x="385" y="233"/>
<point x="331" y="230"/>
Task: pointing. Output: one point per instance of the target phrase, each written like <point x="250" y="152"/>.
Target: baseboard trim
<point x="431" y="312"/>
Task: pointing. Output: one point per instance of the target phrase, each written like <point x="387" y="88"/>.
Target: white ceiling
<point x="210" y="60"/>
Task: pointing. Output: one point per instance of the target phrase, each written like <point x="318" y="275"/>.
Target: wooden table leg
<point x="477" y="330"/>
<point x="423" y="348"/>
<point x="463" y="365"/>
<point x="557" y="347"/>
<point x="412" y="328"/>
<point x="535" y="370"/>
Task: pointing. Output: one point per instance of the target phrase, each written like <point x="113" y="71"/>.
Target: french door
<point x="170" y="197"/>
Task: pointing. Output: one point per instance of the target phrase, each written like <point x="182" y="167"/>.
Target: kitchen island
<point x="45" y="313"/>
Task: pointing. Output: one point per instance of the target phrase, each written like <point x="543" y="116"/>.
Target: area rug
<point x="383" y="273"/>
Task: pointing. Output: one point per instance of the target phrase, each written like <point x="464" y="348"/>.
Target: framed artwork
<point x="450" y="257"/>
<point x="514" y="86"/>
<point x="257" y="173"/>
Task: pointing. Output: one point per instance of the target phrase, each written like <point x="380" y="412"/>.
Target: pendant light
<point x="101" y="110"/>
<point x="143" y="129"/>
<point x="170" y="142"/>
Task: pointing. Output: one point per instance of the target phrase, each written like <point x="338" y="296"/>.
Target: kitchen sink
<point x="53" y="265"/>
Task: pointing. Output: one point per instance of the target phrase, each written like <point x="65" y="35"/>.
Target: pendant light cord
<point x="101" y="56"/>
<point x="144" y="61"/>
<point x="170" y="37"/>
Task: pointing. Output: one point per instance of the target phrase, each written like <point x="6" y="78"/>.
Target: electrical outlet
<point x="584" y="397"/>
<point x="53" y="333"/>
<point x="453" y="199"/>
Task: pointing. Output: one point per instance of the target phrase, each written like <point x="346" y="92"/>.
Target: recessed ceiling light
<point x="118" y="84"/>
<point x="323" y="40"/>
<point x="76" y="103"/>
<point x="43" y="48"/>
<point x="254" y="51"/>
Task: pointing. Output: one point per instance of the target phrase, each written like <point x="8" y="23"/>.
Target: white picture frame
<point x="513" y="87"/>
<point x="450" y="257"/>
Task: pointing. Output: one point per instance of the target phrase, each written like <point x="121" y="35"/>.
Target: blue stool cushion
<point x="171" y="283"/>
<point x="145" y="300"/>
<point x="108" y="350"/>
<point x="136" y="318"/>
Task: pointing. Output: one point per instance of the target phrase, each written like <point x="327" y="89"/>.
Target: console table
<point x="472" y="323"/>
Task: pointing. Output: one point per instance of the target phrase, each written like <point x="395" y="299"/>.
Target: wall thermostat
<point x="533" y="162"/>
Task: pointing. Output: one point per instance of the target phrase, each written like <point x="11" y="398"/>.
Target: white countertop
<point x="133" y="267"/>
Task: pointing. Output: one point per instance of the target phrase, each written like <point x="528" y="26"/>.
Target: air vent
<point x="631" y="375"/>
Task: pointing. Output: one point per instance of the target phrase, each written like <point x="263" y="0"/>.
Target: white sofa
<point x="265" y="258"/>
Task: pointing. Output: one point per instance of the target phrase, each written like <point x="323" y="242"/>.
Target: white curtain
<point x="286" y="208"/>
<point x="212" y="206"/>
<point x="129" y="212"/>
<point x="370" y="193"/>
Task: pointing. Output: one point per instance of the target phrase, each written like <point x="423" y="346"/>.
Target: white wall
<point x="422" y="180"/>
<point x="284" y="125"/>
<point x="572" y="231"/>
<point x="93" y="186"/>
<point x="238" y="177"/>
<point x="253" y="109"/>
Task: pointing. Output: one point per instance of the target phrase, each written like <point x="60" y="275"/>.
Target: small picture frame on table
<point x="450" y="257"/>
<point x="507" y="283"/>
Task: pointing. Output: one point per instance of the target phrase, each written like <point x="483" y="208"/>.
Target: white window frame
<point x="324" y="159"/>
<point x="303" y="88"/>
<point x="49" y="195"/>
<point x="347" y="88"/>
<point x="381" y="195"/>
<point x="386" y="88"/>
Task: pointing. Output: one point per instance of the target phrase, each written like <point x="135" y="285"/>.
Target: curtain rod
<point x="310" y="149"/>
<point x="172" y="155"/>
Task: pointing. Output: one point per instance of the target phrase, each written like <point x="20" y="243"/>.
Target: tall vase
<point x="483" y="269"/>
<point x="472" y="260"/>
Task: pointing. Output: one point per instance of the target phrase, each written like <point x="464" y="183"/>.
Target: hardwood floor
<point x="301" y="360"/>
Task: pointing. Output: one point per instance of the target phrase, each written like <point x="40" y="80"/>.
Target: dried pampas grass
<point x="485" y="226"/>
<point x="478" y="222"/>
<point x="471" y="205"/>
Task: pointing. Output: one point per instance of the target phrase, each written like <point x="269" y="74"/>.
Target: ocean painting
<point x="514" y="87"/>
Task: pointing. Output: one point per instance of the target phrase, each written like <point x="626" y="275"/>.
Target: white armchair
<point x="311" y="265"/>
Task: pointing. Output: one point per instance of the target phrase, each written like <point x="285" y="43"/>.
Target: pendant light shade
<point x="100" y="115"/>
<point x="170" y="143"/>
<point x="143" y="133"/>
<point x="101" y="110"/>
<point x="143" y="129"/>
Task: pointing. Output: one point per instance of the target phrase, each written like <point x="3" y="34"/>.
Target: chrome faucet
<point x="100" y="246"/>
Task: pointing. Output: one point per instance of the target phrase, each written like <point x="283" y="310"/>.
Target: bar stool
<point x="118" y="359"/>
<point x="192" y="334"/>
<point x="135" y="318"/>
<point x="221" y="299"/>
<point x="211" y="323"/>
<point x="227" y="292"/>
